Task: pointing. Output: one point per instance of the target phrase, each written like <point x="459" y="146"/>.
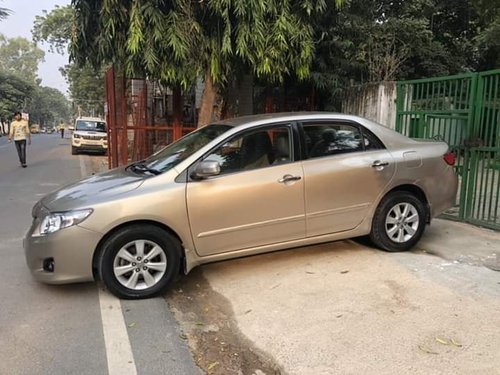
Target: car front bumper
<point x="70" y="251"/>
<point x="91" y="145"/>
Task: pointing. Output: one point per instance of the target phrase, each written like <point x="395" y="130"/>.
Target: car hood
<point x="92" y="190"/>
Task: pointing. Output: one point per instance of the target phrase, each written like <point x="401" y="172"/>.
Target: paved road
<point x="75" y="329"/>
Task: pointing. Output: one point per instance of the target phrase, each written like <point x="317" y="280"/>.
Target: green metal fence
<point x="464" y="111"/>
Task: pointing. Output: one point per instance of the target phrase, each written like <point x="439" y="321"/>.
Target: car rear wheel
<point x="139" y="261"/>
<point x="399" y="222"/>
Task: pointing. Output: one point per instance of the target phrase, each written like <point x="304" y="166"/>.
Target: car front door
<point x="345" y="169"/>
<point x="256" y="200"/>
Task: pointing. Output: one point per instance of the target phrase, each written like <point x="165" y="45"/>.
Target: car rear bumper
<point x="444" y="194"/>
<point x="69" y="251"/>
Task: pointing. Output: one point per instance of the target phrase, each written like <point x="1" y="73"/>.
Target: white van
<point x="89" y="135"/>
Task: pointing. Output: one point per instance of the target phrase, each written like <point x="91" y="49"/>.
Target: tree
<point x="177" y="41"/>
<point x="4" y="13"/>
<point x="20" y="56"/>
<point x="54" y="28"/>
<point x="47" y="106"/>
<point x="488" y="37"/>
<point x="373" y="40"/>
<point x="15" y="92"/>
<point x="86" y="83"/>
<point x="19" y="86"/>
<point x="44" y="104"/>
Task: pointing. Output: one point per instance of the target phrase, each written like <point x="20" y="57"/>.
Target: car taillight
<point x="450" y="158"/>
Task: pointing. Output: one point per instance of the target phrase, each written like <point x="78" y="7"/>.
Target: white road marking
<point x="83" y="167"/>
<point x="118" y="349"/>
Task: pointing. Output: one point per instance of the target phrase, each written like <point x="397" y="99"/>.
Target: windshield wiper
<point x="139" y="166"/>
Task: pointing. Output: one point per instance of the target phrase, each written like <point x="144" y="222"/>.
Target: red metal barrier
<point x="139" y="120"/>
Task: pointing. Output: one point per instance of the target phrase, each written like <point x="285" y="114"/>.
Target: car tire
<point x="73" y="150"/>
<point x="399" y="222"/>
<point x="126" y="269"/>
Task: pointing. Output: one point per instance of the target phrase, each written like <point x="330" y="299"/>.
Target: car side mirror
<point x="205" y="169"/>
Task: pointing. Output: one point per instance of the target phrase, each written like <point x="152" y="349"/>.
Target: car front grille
<point x="93" y="137"/>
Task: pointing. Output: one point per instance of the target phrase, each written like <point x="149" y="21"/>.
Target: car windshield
<point x="178" y="151"/>
<point x="90" y="125"/>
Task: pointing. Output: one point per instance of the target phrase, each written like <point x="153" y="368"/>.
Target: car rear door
<point x="346" y="168"/>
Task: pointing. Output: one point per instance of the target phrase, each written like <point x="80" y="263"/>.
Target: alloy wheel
<point x="140" y="264"/>
<point x="402" y="222"/>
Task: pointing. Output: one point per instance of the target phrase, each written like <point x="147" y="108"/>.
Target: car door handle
<point x="378" y="163"/>
<point x="288" y="178"/>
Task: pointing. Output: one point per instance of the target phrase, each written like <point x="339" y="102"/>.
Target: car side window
<point x="324" y="139"/>
<point x="255" y="149"/>
<point x="371" y="141"/>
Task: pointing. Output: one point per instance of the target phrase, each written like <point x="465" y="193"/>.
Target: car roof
<point x="275" y="117"/>
<point x="90" y="119"/>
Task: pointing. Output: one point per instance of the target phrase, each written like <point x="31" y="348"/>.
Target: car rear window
<point x="332" y="138"/>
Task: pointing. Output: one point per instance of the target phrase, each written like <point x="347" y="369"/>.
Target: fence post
<point x="111" y="118"/>
<point x="399" y="106"/>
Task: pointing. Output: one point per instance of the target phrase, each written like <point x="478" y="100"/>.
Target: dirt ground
<point x="207" y="321"/>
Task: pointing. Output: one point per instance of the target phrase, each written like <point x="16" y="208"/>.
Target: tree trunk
<point x="208" y="101"/>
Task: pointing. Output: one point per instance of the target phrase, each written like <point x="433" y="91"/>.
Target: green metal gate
<point x="464" y="111"/>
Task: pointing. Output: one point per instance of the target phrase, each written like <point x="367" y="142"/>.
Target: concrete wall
<point x="375" y="101"/>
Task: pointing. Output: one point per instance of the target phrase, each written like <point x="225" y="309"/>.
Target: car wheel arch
<point x="415" y="190"/>
<point x="399" y="221"/>
<point x="99" y="248"/>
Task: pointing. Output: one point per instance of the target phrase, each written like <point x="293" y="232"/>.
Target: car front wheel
<point x="139" y="261"/>
<point x="399" y="222"/>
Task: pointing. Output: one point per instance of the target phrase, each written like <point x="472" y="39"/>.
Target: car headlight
<point x="60" y="220"/>
<point x="76" y="136"/>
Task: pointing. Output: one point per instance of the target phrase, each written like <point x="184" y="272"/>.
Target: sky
<point x="20" y="23"/>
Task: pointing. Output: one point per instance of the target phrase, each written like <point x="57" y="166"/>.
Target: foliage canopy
<point x="373" y="40"/>
<point x="86" y="83"/>
<point x="14" y="93"/>
<point x="176" y="41"/>
<point x="20" y="56"/>
<point x="54" y="27"/>
<point x="20" y="88"/>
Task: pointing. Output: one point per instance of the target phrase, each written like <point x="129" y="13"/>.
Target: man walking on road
<point x="19" y="131"/>
<point x="61" y="128"/>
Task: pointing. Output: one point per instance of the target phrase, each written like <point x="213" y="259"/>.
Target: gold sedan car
<point x="240" y="187"/>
